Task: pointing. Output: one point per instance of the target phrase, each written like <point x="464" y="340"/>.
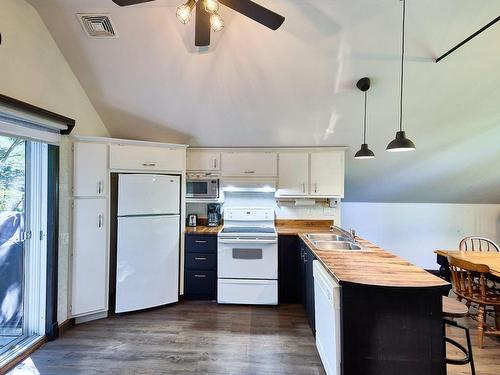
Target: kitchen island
<point x="391" y="310"/>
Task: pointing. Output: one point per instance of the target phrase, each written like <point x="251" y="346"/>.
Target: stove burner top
<point x="248" y="230"/>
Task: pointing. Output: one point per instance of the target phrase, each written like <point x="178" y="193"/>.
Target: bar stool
<point x="454" y="309"/>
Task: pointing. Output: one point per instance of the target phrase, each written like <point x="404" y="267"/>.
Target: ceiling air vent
<point x="97" y="25"/>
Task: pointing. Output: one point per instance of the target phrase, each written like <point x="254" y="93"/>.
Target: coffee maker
<point x="213" y="214"/>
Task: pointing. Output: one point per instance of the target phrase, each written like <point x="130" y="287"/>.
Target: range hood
<point x="249" y="184"/>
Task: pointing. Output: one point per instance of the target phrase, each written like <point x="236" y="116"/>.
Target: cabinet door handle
<point x="315" y="187"/>
<point x="199" y="241"/>
<point x="200" y="258"/>
<point x="99" y="187"/>
<point x="148" y="164"/>
<point x="200" y="276"/>
<point x="303" y="187"/>
<point x="99" y="221"/>
<point x="249" y="172"/>
<point x="215" y="163"/>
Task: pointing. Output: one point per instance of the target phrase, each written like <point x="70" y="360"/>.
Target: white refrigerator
<point x="148" y="240"/>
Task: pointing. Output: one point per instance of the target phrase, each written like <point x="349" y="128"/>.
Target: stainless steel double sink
<point x="334" y="242"/>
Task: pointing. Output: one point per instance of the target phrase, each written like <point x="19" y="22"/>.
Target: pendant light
<point x="364" y="153"/>
<point x="401" y="143"/>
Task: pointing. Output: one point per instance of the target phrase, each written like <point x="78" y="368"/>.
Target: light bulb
<point x="184" y="11"/>
<point x="216" y="22"/>
<point x="211" y="6"/>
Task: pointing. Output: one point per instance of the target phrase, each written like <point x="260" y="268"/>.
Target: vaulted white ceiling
<point x="296" y="86"/>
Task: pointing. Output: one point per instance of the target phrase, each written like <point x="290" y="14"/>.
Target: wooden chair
<point x="454" y="309"/>
<point x="474" y="243"/>
<point x="470" y="283"/>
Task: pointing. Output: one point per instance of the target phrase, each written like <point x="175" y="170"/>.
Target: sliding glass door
<point x="23" y="244"/>
<point x="12" y="235"/>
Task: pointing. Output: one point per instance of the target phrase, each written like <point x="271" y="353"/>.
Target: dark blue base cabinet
<point x="384" y="330"/>
<point x="200" y="268"/>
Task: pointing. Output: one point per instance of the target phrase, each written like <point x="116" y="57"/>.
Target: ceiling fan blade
<point x="202" y="26"/>
<point x="256" y="12"/>
<point x="124" y="3"/>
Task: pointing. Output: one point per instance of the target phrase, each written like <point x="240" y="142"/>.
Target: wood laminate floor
<point x="205" y="338"/>
<point x="188" y="338"/>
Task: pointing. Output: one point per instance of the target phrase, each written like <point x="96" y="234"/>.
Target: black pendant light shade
<point x="401" y="143"/>
<point x="364" y="153"/>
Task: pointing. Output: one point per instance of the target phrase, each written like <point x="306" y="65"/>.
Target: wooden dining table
<point x="488" y="258"/>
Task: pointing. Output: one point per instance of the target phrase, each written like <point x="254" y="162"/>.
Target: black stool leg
<point x="467" y="352"/>
<point x="469" y="347"/>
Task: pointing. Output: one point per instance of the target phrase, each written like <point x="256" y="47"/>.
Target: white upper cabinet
<point x="203" y="161"/>
<point x="327" y="173"/>
<point x="90" y="257"/>
<point x="293" y="174"/>
<point x="90" y="169"/>
<point x="132" y="157"/>
<point x="247" y="164"/>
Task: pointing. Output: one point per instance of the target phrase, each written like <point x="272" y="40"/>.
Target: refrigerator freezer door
<point x="148" y="194"/>
<point x="147" y="272"/>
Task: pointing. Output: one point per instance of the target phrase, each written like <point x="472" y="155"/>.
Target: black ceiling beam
<point x="202" y="26"/>
<point x="468" y="39"/>
<point x="126" y="3"/>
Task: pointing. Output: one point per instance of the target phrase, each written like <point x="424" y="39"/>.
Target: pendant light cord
<point x="402" y="68"/>
<point x="364" y="126"/>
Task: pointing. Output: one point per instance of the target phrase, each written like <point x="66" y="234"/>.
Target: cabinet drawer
<point x="199" y="283"/>
<point x="201" y="244"/>
<point x="200" y="261"/>
<point x="131" y="157"/>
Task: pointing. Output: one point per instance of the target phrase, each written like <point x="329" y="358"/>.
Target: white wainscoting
<point x="414" y="230"/>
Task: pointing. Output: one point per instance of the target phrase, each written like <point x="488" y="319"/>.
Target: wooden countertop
<point x="374" y="266"/>
<point x="202" y="229"/>
<point x="294" y="227"/>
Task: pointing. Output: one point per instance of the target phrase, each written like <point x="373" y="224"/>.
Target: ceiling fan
<point x="207" y="16"/>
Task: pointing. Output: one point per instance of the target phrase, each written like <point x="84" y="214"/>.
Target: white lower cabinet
<point x="90" y="257"/>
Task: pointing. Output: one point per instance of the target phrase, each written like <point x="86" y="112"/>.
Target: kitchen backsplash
<point x="283" y="210"/>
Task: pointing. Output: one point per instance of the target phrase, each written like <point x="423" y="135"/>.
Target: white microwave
<point x="202" y="186"/>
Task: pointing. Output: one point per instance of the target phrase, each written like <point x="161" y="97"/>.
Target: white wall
<point x="34" y="70"/>
<point x="282" y="210"/>
<point x="414" y="230"/>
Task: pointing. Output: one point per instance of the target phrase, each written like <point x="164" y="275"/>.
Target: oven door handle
<point x="248" y="241"/>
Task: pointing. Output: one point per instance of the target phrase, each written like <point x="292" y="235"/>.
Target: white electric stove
<point x="248" y="257"/>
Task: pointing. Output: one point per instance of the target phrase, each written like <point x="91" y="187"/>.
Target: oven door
<point x="255" y="258"/>
<point x="202" y="188"/>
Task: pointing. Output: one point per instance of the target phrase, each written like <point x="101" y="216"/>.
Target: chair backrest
<point x="468" y="278"/>
<point x="475" y="243"/>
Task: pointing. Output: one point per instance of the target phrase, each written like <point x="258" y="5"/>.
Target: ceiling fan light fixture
<point x="211" y="6"/>
<point x="185" y="11"/>
<point x="216" y="22"/>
